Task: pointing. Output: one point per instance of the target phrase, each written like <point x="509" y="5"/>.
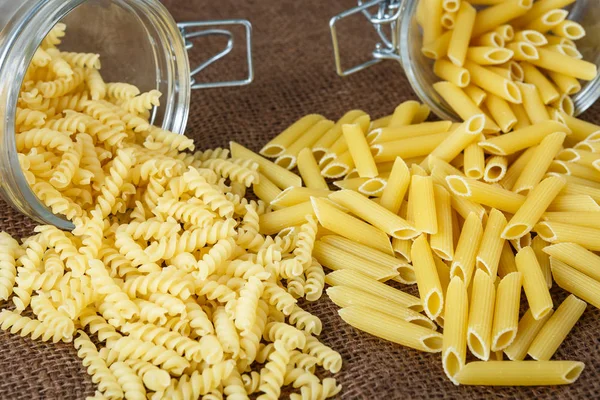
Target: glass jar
<point x="401" y="39"/>
<point x="139" y="43"/>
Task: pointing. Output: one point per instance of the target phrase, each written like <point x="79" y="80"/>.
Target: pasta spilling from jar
<point x="167" y="286"/>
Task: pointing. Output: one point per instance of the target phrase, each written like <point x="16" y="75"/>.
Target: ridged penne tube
<point x="289" y="158"/>
<point x="397" y="185"/>
<point x="564" y="64"/>
<point x="484" y="193"/>
<point x="517" y="140"/>
<point x="507" y="261"/>
<point x="361" y="281"/>
<point x="310" y="171"/>
<point x="459" y="41"/>
<point x="335" y="258"/>
<point x="275" y="221"/>
<point x="350" y="227"/>
<point x="428" y="282"/>
<point x="461" y="205"/>
<point x="406" y="271"/>
<point x="463" y="263"/>
<point x="360" y="151"/>
<point x="339" y="149"/>
<point x="295" y="195"/>
<point x="404" y="114"/>
<point x="532" y="37"/>
<point x="501" y="112"/>
<point x="456" y="312"/>
<point x="373" y="186"/>
<point x="425" y="214"/>
<point x="437" y="48"/>
<point x="484" y="55"/>
<point x="445" y="70"/>
<point x="575" y="282"/>
<point x="477" y="95"/>
<point x="321" y="147"/>
<point x="278" y="175"/>
<point x="576" y="170"/>
<point x="402" y="248"/>
<point x="547" y="21"/>
<point x="442" y="242"/>
<point x="389" y="134"/>
<point x="566" y="84"/>
<point x="538" y="245"/>
<point x="581" y="129"/>
<point x="481" y="315"/>
<point x="520" y="373"/>
<point x="392" y="328"/>
<point x="556" y="329"/>
<point x="576" y="257"/>
<point x="559" y="232"/>
<point x="578" y="189"/>
<point x="569" y="29"/>
<point x="535" y="204"/>
<point x="493" y="83"/>
<point x="375" y="214"/>
<point x="462" y="104"/>
<point x="516" y="169"/>
<point x="491" y="39"/>
<point x="522" y="118"/>
<point x="534" y="283"/>
<point x="407" y="148"/>
<point x="265" y="189"/>
<point x="506" y="311"/>
<point x="574" y="204"/>
<point x="490" y="249"/>
<point x="548" y="92"/>
<point x="460" y="138"/>
<point x="526" y="332"/>
<point x="279" y="143"/>
<point x="345" y="296"/>
<point x="495" y="169"/>
<point x="492" y="17"/>
<point x="474" y="161"/>
<point x="533" y="104"/>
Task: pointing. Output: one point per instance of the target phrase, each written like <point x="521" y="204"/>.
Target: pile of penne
<point x="468" y="217"/>
<point x="515" y="61"/>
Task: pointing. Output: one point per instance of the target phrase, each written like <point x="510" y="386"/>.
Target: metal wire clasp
<point x="184" y="28"/>
<point x="384" y="16"/>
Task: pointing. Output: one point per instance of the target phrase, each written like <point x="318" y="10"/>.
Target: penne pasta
<point x="350" y="227"/>
<point x="461" y="35"/>
<point x="506" y="31"/>
<point x="281" y="142"/>
<point x="392" y="328"/>
<point x="309" y="170"/>
<point x="425" y="214"/>
<point x="521" y="139"/>
<point x="565" y="64"/>
<point x="540" y="8"/>
<point x="577" y="189"/>
<point x="404" y="114"/>
<point x="533" y="104"/>
<point x="358" y="280"/>
<point x="576" y="170"/>
<point x="481" y="313"/>
<point x="516" y="169"/>
<point x="432" y="12"/>
<point x="448" y="20"/>
<point x="407" y="148"/>
<point x="558" y="232"/>
<point x="506" y="311"/>
<point x="442" y="242"/>
<point x="397" y="185"/>
<point x="576" y="282"/>
<point x="495" y="169"/>
<point x="490" y="249"/>
<point x="566" y="84"/>
<point x="275" y="221"/>
<point x="339" y="149"/>
<point x="404" y="132"/>
<point x="477" y="95"/>
<point x="532" y="37"/>
<point x="569" y="29"/>
<point x="485" y="55"/>
<point x="534" y="283"/>
<point x="380" y="122"/>
<point x="428" y="282"/>
<point x="501" y="112"/>
<point x="492" y="17"/>
<point x="322" y="146"/>
<point x="359" y="150"/>
<point x="288" y="159"/>
<point x="463" y="263"/>
<point x="520" y="373"/>
<point x="538" y="245"/>
<point x="547" y="21"/>
<point x="460" y="138"/>
<point x="484" y="193"/>
<point x="450" y="5"/>
<point x="296" y="195"/>
<point x="528" y="329"/>
<point x="491" y="39"/>
<point x="448" y="71"/>
<point x="574" y="203"/>
<point x="456" y="311"/>
<point x="437" y="48"/>
<point x="521" y="115"/>
<point x="556" y="329"/>
<point x="533" y="76"/>
<point x="493" y="83"/>
<point x="474" y="161"/>
<point x="266" y="190"/>
<point x="373" y="186"/>
<point x="507" y="262"/>
<point x="577" y="257"/>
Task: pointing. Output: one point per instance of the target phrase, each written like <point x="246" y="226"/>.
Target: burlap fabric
<point x="294" y="76"/>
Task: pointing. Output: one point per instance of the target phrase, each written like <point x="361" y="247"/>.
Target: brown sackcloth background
<point x="294" y="76"/>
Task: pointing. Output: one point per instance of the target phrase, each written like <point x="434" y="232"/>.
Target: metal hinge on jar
<point x="186" y="29"/>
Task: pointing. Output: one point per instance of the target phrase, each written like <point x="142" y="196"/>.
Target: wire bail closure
<point x="385" y="20"/>
<point x="188" y="36"/>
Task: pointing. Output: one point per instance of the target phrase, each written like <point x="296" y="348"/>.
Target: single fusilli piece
<point x="65" y="170"/>
<point x="233" y="171"/>
<point x="204" y="191"/>
<point x="295" y="286"/>
<point x="247" y="304"/>
<point x="53" y="38"/>
<point x="95" y="84"/>
<point x="153" y="377"/>
<point x="9" y="251"/>
<point x="151" y="312"/>
<point x="234" y="387"/>
<point x="172" y="304"/>
<point x="43" y="137"/>
<point x="113" y="183"/>
<point x="150" y="229"/>
<point x="272" y="375"/>
<point x="318" y="391"/>
<point x="199" y="383"/>
<point x="130" y="382"/>
<point x="305" y="321"/>
<point x="57" y="321"/>
<point x="250" y="341"/>
<point x="118" y="91"/>
<point x="16" y="323"/>
<point x="184" y="346"/>
<point x="168" y="280"/>
<point x="105" y="286"/>
<point x="315" y="281"/>
<point x="216" y="257"/>
<point x="82" y="60"/>
<point x="291" y="336"/>
<point x="171" y="139"/>
<point x="199" y="321"/>
<point x="143" y="102"/>
<point x="61" y="86"/>
<point x="97" y="325"/>
<point x="58" y="65"/>
<point x="330" y="359"/>
<point x="279" y="298"/>
<point x="27" y="119"/>
<point x="191" y="212"/>
<point x="226" y="332"/>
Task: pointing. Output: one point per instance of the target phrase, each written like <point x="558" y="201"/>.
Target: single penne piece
<point x="407" y="148"/>
<point x="538" y="244"/>
<point x="337" y="166"/>
<point x="380" y="122"/>
<point x="438" y="48"/>
<point x="335" y="259"/>
<point x="521" y="139"/>
<point x="503" y="72"/>
<point x="404" y="114"/>
<point x="456" y="312"/>
<point x="321" y="147"/>
<point x="404" y="132"/>
<point x="360" y="151"/>
<point x="575" y="282"/>
<point x="476" y="94"/>
<point x="528" y="329"/>
<point x="560" y="40"/>
<point x="495" y="169"/>
<point x="484" y="55"/>
<point x="533" y="208"/>
<point x="501" y="112"/>
<point x="281" y="142"/>
<point x="556" y="329"/>
<point x="566" y="84"/>
<point x="463" y="263"/>
<point x="506" y="311"/>
<point x="534" y="283"/>
<point x="520" y="373"/>
<point x="442" y="242"/>
<point x="461" y="205"/>
<point x="350" y="184"/>
<point x="375" y="214"/>
<point x="493" y="83"/>
<point x="339" y="149"/>
<point x="481" y="315"/>
<point x="373" y="186"/>
<point x="516" y="71"/>
<point x="522" y="118"/>
<point x="425" y="214"/>
<point x="569" y="29"/>
<point x="397" y="185"/>
<point x="574" y="204"/>
<point x="566" y="50"/>
<point x="358" y="280"/>
<point x="507" y="262"/>
<point x="273" y="222"/>
<point x="516" y="169"/>
<point x="484" y="193"/>
<point x="450" y="5"/>
<point x="345" y="296"/>
<point x="492" y="17"/>
<point x="422" y="114"/>
<point x="491" y="39"/>
<point x="460" y="138"/>
<point x="289" y="158"/>
<point x="581" y="129"/>
<point x="533" y="104"/>
<point x="462" y="104"/>
<point x="532" y="37"/>
<point x="565" y="64"/>
<point x="350" y="227"/>
<point x="451" y="73"/>
<point x="265" y="189"/>
<point x="580" y="156"/>
<point x="490" y="249"/>
<point x="278" y="175"/>
<point x="540" y="8"/>
<point x="548" y="92"/>
<point x="474" y="161"/>
<point x="461" y="35"/>
<point x="402" y="248"/>
<point x="577" y="257"/>
<point x="576" y="170"/>
<point x="310" y="171"/>
<point x="547" y="21"/>
<point x="428" y="282"/>
<point x="391" y="328"/>
<point x="564" y="104"/>
<point x="573" y="188"/>
<point x="506" y="31"/>
<point x="296" y="195"/>
<point x="559" y="232"/>
<point x="522" y="242"/>
<point x="432" y="13"/>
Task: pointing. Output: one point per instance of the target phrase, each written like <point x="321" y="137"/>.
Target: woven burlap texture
<point x="295" y="75"/>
